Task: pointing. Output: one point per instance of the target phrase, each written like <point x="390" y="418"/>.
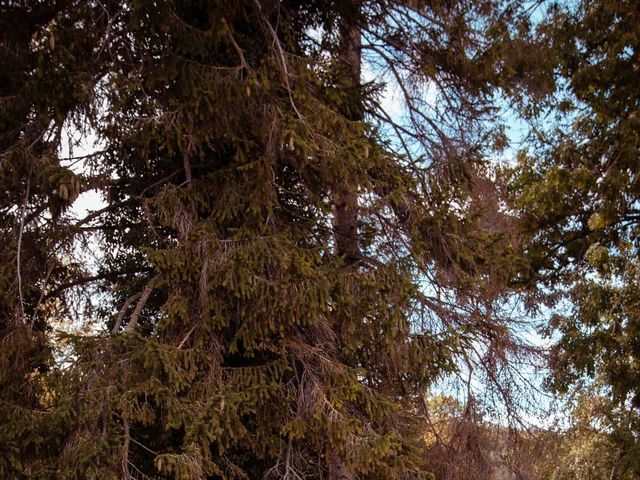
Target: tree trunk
<point x="346" y="201"/>
<point x="338" y="469"/>
<point x="614" y="473"/>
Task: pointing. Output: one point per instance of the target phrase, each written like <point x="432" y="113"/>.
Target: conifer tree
<point x="268" y="231"/>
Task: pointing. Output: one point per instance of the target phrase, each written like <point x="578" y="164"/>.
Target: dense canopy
<point x="280" y="238"/>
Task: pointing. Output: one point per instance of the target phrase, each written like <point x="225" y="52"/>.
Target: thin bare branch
<point x="123" y="311"/>
<point x="135" y="316"/>
<point x="23" y="212"/>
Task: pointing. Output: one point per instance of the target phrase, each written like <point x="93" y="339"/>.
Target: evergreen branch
<point x="96" y="213"/>
<point x="92" y="278"/>
<point x="243" y="62"/>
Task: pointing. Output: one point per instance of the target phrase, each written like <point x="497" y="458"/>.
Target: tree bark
<point x="338" y="469"/>
<point x="346" y="201"/>
<point x="614" y="473"/>
<point x="345" y="222"/>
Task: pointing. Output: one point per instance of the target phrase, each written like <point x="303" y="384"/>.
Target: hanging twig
<point x="23" y="211"/>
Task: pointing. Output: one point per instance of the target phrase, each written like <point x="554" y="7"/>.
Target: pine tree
<point x="267" y="233"/>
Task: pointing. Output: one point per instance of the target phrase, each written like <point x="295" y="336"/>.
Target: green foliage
<point x="236" y="338"/>
<point x="579" y="196"/>
<point x="585" y="451"/>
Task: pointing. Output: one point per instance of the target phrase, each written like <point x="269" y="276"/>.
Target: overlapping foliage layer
<point x="579" y="192"/>
<point x="285" y="267"/>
